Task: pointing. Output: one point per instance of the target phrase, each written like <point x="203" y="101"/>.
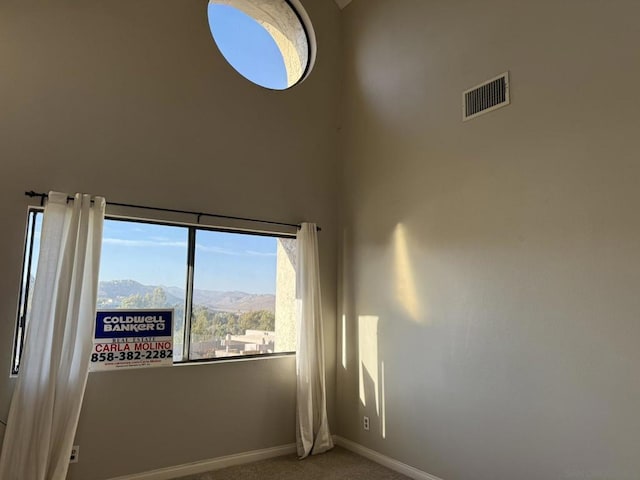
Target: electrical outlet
<point x="75" y="453"/>
<point x="365" y="423"/>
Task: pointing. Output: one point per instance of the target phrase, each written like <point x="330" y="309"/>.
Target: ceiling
<point x="343" y="3"/>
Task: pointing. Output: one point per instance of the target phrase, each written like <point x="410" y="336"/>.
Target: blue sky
<point x="247" y="46"/>
<point x="157" y="255"/>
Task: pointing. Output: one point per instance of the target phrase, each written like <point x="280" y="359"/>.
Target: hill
<point x="114" y="293"/>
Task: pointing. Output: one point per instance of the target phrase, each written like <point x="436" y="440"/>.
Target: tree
<point x="155" y="299"/>
<point x="132" y="301"/>
<point x="201" y="323"/>
<point x="257" y="320"/>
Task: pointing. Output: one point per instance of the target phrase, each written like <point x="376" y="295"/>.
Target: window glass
<point x="144" y="265"/>
<point x="265" y="42"/>
<point x="243" y="295"/>
<point x="30" y="263"/>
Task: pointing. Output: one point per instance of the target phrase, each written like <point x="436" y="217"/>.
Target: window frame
<point x="192" y="229"/>
<point x="300" y="14"/>
<point x="23" y="295"/>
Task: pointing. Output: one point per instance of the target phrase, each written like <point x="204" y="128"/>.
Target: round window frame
<point x="307" y="29"/>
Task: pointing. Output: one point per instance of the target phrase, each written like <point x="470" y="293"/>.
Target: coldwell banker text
<point x="134" y="323"/>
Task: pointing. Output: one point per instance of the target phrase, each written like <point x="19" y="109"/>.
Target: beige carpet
<point x="338" y="464"/>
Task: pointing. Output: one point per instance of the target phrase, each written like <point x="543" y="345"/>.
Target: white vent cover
<point x="487" y="96"/>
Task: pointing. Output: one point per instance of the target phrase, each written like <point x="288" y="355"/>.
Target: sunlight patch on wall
<point x="383" y="410"/>
<point x="344" y="341"/>
<point x="404" y="278"/>
<point x="368" y="359"/>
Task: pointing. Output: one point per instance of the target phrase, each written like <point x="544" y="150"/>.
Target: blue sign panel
<point x="132" y="339"/>
<point x="134" y="323"/>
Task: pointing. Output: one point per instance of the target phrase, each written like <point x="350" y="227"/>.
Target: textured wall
<point x="492" y="265"/>
<point x="285" y="309"/>
<point x="131" y="100"/>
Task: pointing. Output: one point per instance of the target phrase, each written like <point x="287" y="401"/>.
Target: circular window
<point x="264" y="40"/>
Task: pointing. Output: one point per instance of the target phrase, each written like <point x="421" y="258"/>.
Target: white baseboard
<point x="203" y="466"/>
<point x="211" y="464"/>
<point x="388" y="462"/>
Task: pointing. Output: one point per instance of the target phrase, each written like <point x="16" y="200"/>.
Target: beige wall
<point x="131" y="100"/>
<point x="490" y="266"/>
<point x="497" y="260"/>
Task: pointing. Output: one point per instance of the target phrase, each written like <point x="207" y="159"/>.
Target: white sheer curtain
<point x="312" y="427"/>
<point x="53" y="369"/>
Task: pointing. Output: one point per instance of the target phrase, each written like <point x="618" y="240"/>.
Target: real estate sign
<point x="132" y="338"/>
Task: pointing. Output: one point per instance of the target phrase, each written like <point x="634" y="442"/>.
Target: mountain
<point x="116" y="290"/>
<point x="234" y="301"/>
<point x="113" y="292"/>
<point x="122" y="288"/>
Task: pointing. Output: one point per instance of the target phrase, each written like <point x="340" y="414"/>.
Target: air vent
<point x="486" y="97"/>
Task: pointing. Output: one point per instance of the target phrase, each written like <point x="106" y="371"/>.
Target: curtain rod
<point x="199" y="215"/>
